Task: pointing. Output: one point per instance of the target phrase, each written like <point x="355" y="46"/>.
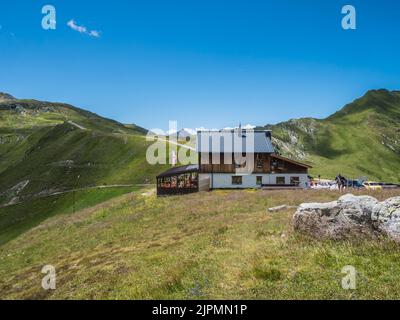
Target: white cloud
<point x="72" y="24"/>
<point x="206" y="129"/>
<point x="190" y="131"/>
<point x="82" y="29"/>
<point x="171" y="132"/>
<point x="248" y="127"/>
<point x="94" y="33"/>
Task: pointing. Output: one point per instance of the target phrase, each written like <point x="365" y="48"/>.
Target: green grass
<point x="39" y="145"/>
<point x="218" y="245"/>
<point x="17" y="219"/>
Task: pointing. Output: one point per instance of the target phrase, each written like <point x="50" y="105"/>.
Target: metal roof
<point x="234" y="141"/>
<point x="179" y="170"/>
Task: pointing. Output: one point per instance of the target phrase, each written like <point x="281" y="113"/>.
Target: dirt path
<point x="92" y="188"/>
<point x="174" y="143"/>
<point x="80" y="189"/>
<point x="76" y="125"/>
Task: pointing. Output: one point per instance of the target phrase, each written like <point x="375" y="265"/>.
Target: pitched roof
<point x="234" y="141"/>
<point x="292" y="161"/>
<point x="179" y="170"/>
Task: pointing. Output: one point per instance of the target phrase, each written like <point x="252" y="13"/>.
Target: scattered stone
<point x="63" y="163"/>
<point x="11" y="195"/>
<point x="280" y="208"/>
<point x="148" y="193"/>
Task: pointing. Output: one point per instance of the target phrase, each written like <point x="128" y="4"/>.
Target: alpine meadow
<point x="199" y="159"/>
<point x="76" y="192"/>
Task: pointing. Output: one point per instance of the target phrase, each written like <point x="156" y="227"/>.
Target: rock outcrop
<point x="350" y="217"/>
<point x="5" y="97"/>
<point x="386" y="218"/>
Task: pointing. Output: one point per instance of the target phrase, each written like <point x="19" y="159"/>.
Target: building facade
<point x="240" y="159"/>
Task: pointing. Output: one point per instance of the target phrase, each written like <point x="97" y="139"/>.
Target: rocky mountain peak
<point x="6" y="97"/>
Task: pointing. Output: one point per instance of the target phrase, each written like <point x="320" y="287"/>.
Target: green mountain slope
<point x="48" y="148"/>
<point x="361" y="140"/>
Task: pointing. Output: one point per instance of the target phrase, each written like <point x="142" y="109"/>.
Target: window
<point x="294" y="181"/>
<point x="259" y="181"/>
<point x="260" y="162"/>
<point x="280" y="180"/>
<point x="237" y="181"/>
<point x="277" y="165"/>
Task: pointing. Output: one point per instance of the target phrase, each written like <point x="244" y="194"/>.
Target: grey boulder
<point x="350" y="217"/>
<point x="386" y="218"/>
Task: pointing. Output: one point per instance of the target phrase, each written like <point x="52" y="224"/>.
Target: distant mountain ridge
<point x="48" y="147"/>
<point x="6" y="97"/>
<point x="361" y="139"/>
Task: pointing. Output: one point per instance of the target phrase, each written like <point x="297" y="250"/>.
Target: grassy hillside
<point x="221" y="245"/>
<point x="362" y="139"/>
<point x="124" y="242"/>
<point x="48" y="148"/>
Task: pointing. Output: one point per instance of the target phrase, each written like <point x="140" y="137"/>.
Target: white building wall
<point x="224" y="181"/>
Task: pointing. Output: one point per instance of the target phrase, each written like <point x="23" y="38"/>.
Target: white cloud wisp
<point x="82" y="29"/>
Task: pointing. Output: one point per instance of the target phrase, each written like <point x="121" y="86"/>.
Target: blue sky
<point x="202" y="63"/>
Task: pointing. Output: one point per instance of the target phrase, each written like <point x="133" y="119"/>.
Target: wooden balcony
<point x="262" y="164"/>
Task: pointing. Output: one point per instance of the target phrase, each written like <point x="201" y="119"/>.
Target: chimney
<point x="174" y="159"/>
<point x="240" y="130"/>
